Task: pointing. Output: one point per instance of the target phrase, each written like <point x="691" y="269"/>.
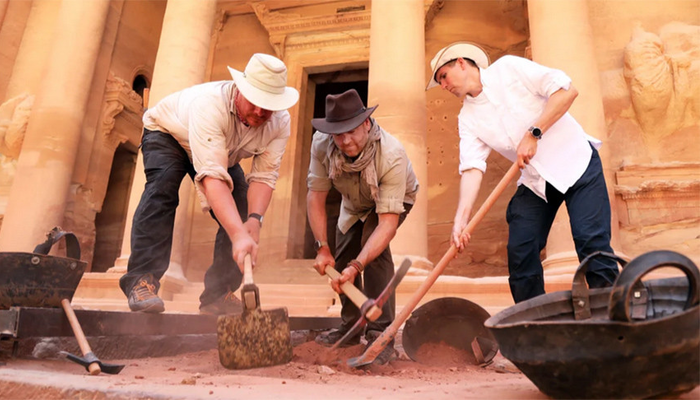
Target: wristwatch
<point x="318" y="244"/>
<point x="536" y="132"/>
<point x="256" y="216"/>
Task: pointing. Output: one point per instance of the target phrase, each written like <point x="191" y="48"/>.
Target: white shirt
<point x="203" y="120"/>
<point x="515" y="92"/>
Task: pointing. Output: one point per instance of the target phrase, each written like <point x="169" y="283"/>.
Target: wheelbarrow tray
<point x="37" y="280"/>
<point x="655" y="353"/>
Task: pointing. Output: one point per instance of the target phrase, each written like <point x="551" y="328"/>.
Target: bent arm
<point x="557" y="105"/>
<point x="219" y="197"/>
<point x="469" y="185"/>
<point x="316" y="211"/>
<point x="380" y="238"/>
<point x="259" y="196"/>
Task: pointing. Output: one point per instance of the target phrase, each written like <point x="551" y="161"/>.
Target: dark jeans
<point x="530" y="219"/>
<point x="166" y="163"/>
<point x="377" y="274"/>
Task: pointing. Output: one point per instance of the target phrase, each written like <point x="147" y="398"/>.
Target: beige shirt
<point x="396" y="180"/>
<point x="203" y="120"/>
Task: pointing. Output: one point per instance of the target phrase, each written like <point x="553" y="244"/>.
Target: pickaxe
<point x="370" y="309"/>
<point x="89" y="360"/>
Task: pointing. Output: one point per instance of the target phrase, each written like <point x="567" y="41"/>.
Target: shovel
<point x="255" y="338"/>
<point x="389" y="333"/>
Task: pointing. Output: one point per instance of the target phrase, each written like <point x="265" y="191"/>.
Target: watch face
<point x="317" y="245"/>
<point x="536" y="132"/>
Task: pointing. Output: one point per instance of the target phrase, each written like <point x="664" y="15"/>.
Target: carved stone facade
<point x="646" y="53"/>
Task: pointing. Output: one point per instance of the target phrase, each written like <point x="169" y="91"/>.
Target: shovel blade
<point x="256" y="338"/>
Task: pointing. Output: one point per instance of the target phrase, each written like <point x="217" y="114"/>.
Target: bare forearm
<point x="316" y="211"/>
<point x="469" y="185"/>
<point x="379" y="239"/>
<point x="259" y="195"/>
<point x="557" y="105"/>
<point x="221" y="202"/>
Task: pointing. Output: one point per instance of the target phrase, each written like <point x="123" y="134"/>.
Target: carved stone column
<point x="396" y="83"/>
<point x="562" y="38"/>
<point x="38" y="196"/>
<point x="181" y="62"/>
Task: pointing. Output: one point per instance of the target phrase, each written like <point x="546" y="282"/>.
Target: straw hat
<point x="454" y="51"/>
<point x="264" y="83"/>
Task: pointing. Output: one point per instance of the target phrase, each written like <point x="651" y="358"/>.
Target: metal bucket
<point x="39" y="280"/>
<point x="633" y="340"/>
<point x="454" y="322"/>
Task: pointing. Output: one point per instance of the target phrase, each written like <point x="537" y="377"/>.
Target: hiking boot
<point x="387" y="355"/>
<point x="329" y="338"/>
<point x="226" y="304"/>
<point x="143" y="297"/>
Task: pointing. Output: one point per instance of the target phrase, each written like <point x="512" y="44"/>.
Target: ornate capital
<point x="294" y="32"/>
<point x="118" y="96"/>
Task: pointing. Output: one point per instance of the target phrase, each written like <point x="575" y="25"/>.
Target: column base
<point x="564" y="263"/>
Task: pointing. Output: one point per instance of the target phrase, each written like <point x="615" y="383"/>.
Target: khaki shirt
<point x="395" y="178"/>
<point x="203" y="120"/>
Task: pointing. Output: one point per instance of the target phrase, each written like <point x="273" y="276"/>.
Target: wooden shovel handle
<point x="390" y="332"/>
<point x="355" y="295"/>
<point x="248" y="270"/>
<point x="93" y="368"/>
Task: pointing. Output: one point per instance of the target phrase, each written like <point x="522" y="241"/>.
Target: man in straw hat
<point x="370" y="169"/>
<point x="520" y="109"/>
<point x="205" y="131"/>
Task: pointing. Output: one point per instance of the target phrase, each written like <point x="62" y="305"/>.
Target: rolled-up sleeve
<point x="266" y="165"/>
<point x="472" y="151"/>
<point x="539" y="79"/>
<point x="317" y="179"/>
<point x="208" y="143"/>
<point x="392" y="187"/>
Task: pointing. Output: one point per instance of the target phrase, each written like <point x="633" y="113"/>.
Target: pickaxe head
<point x="90" y="359"/>
<point x="378" y="302"/>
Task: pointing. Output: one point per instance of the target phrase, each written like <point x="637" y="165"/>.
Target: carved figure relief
<point x="663" y="75"/>
<point x="14" y="117"/>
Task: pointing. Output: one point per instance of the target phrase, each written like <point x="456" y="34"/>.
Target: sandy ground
<point x="314" y="373"/>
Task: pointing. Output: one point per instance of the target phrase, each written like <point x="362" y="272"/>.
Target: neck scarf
<point x="364" y="163"/>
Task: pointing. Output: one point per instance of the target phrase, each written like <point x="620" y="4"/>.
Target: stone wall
<point x="648" y="54"/>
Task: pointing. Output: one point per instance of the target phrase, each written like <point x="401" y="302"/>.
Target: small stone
<point x="189" y="381"/>
<point x="172" y="369"/>
<point x="284" y="382"/>
<point x="139" y="377"/>
<point x="326" y="370"/>
<point x="211" y="392"/>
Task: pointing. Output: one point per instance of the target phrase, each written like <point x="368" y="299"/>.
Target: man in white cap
<point x="372" y="172"/>
<point x="520" y="109"/>
<point x="205" y="131"/>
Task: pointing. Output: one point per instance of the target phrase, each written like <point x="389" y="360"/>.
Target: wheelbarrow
<point x="636" y="339"/>
<point x="39" y="280"/>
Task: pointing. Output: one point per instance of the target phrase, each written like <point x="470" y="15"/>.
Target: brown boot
<point x="143" y="297"/>
<point x="226" y="304"/>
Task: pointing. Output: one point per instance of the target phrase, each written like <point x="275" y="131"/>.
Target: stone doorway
<point x="110" y="222"/>
<point x="326" y="83"/>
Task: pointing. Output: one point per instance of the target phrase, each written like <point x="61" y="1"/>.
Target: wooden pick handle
<point x="93" y="368"/>
<point x="355" y="295"/>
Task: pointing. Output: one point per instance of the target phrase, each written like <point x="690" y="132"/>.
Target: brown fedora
<point x="344" y="112"/>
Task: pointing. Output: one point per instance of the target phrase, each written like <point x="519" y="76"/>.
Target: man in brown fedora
<point x="370" y="169"/>
<point x="204" y="131"/>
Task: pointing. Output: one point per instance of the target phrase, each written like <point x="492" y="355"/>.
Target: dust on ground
<point x="315" y="372"/>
